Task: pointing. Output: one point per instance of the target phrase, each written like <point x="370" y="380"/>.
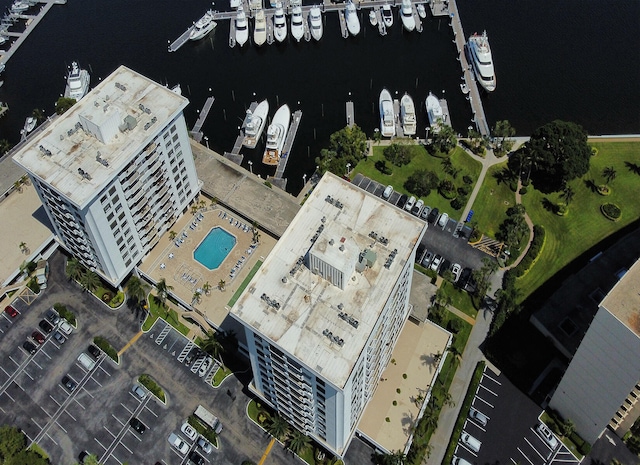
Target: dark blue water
<point x="576" y="60"/>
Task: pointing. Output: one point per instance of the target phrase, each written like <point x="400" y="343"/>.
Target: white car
<point x="204" y="445"/>
<point x="206" y="364"/>
<point x="139" y="392"/>
<point x="456" y="270"/>
<point x="459" y="461"/>
<point x="471" y="442"/>
<point x="435" y="264"/>
<point x="547" y="435"/>
<point x="478" y="417"/>
<point x="188" y="431"/>
<point x="65" y="327"/>
<point x="443" y="220"/>
<point x="178" y="443"/>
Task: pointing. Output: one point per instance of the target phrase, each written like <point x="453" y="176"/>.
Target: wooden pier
<point x="351" y="114"/>
<point x="196" y="132"/>
<point x="278" y="179"/>
<point x="32" y="22"/>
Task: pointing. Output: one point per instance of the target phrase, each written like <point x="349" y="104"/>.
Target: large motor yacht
<point x="297" y="26"/>
<point x="351" y="16"/>
<point x="203" y="26"/>
<point x="260" y="31"/>
<point x="479" y="54"/>
<point x="315" y="22"/>
<point x="434" y="112"/>
<point x="408" y="115"/>
<point x="406" y="14"/>
<point x="387" y="15"/>
<point x="279" y="24"/>
<point x="255" y="124"/>
<point x="242" y="28"/>
<point x="276" y="134"/>
<point x="387" y="115"/>
<point x="77" y="82"/>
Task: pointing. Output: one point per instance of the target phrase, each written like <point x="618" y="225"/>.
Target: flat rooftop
<point x="296" y="309"/>
<point x="623" y="301"/>
<point x="79" y="152"/>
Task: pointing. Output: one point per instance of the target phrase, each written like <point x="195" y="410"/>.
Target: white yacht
<point x="315" y="22"/>
<point x="422" y="12"/>
<point x="351" y="16"/>
<point x="260" y="30"/>
<point x="29" y="125"/>
<point x="203" y="26"/>
<point x="242" y="28"/>
<point x="235" y="4"/>
<point x="434" y="112"/>
<point x="279" y="24"/>
<point x="387" y="115"/>
<point x="19" y="6"/>
<point x="387" y="15"/>
<point x="479" y="54"/>
<point x="408" y="115"/>
<point x="297" y="27"/>
<point x="255" y="124"/>
<point x="276" y="134"/>
<point x="373" y="19"/>
<point x="77" y="82"/>
<point x="406" y="14"/>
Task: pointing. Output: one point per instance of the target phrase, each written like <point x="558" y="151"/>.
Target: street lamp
<point x="304" y="179"/>
<point x="348" y="168"/>
<point x="206" y="141"/>
<point x="250" y="166"/>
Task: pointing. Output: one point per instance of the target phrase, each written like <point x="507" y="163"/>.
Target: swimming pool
<point x="214" y="248"/>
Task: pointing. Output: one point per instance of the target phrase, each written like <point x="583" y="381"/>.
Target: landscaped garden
<point x="157" y="310"/>
<point x="493" y="199"/>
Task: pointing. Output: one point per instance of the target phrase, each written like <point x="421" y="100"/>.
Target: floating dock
<point x="196" y="132"/>
<point x="278" y="179"/>
<point x="351" y="114"/>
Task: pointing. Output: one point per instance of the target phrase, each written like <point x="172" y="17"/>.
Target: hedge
<point x="65" y="313"/>
<point x="532" y="253"/>
<point x="209" y="434"/>
<point x="152" y="386"/>
<point x="104" y="345"/>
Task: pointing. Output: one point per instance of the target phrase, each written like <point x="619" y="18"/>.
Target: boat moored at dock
<point x="203" y="26"/>
<point x="479" y="53"/>
<point x="387" y="15"/>
<point x="276" y="135"/>
<point x="297" y="26"/>
<point x="29" y="125"/>
<point x="408" y="115"/>
<point x="242" y="28"/>
<point x="77" y="82"/>
<point x="422" y="12"/>
<point x="387" y="115"/>
<point x="255" y="123"/>
<point x="373" y="19"/>
<point x="279" y="24"/>
<point x="351" y="16"/>
<point x="434" y="112"/>
<point x="19" y="6"/>
<point x="260" y="30"/>
<point x="315" y="22"/>
<point x="406" y="15"/>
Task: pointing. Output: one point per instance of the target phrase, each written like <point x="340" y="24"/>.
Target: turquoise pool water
<point x="214" y="248"/>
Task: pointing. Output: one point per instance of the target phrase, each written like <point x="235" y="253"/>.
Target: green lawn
<point x="244" y="284"/>
<point x="422" y="161"/>
<point x="460" y="299"/>
<point x="569" y="236"/>
<point x="492" y="202"/>
<point x="158" y="311"/>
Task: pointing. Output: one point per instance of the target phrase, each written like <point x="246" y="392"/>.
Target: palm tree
<point x="202" y="203"/>
<point x="213" y="346"/>
<point x="17" y="185"/>
<point x="206" y="288"/>
<point x="221" y="284"/>
<point x="197" y="297"/>
<point x="89" y="280"/>
<point x="74" y="269"/>
<point x="395" y="457"/>
<point x="298" y="442"/>
<point x="256" y="232"/>
<point x="38" y="114"/>
<point x="214" y="202"/>
<point x="278" y="427"/>
<point x="23" y="246"/>
<point x="456" y="354"/>
<point x="5" y="146"/>
<point x="609" y="174"/>
<point x="442" y="298"/>
<point x="194" y="209"/>
<point x="430" y="418"/>
<point x="567" y="194"/>
<point x="163" y="289"/>
<point x="172" y="235"/>
<point x="137" y="289"/>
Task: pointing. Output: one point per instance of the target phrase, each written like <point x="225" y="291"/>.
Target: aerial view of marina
<point x="374" y="232"/>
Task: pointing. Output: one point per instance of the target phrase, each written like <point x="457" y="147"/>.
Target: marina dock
<point x="398" y="121"/>
<point x="196" y="132"/>
<point x="351" y="114"/>
<point x="31" y="22"/>
<point x="277" y="179"/>
<point x="180" y="41"/>
<point x="235" y="155"/>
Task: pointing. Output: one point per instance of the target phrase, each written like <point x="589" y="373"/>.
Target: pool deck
<point x="186" y="275"/>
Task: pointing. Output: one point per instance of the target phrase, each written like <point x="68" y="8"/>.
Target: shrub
<point x="523" y="190"/>
<point x="421" y="182"/>
<point x="395" y="402"/>
<point x="382" y="166"/>
<point x="447" y="189"/>
<point x="33" y="285"/>
<point x="268" y="184"/>
<point x="387" y="419"/>
<point x="398" y="391"/>
<point x="454" y="325"/>
<point x="398" y="154"/>
<point x="117" y="300"/>
<point x="458" y="203"/>
<point x="467" y="179"/>
<point x="209" y="434"/>
<point x="464" y="190"/>
<point x="534" y="251"/>
<point x="104" y="345"/>
<point x="611" y="211"/>
<point x="65" y="313"/>
<point x="148" y="382"/>
<point x="404" y="376"/>
<point x="106" y="297"/>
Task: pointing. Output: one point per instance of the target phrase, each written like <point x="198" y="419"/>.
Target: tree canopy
<point x="63" y="104"/>
<point x="555" y="154"/>
<point x="13" y="450"/>
<point x="445" y="140"/>
<point x="346" y="146"/>
<point x="421" y="182"/>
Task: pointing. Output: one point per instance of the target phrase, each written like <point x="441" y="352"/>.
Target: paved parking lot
<point x="510" y="435"/>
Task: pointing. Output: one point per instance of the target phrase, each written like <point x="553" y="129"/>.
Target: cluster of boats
<point x="407" y="114"/>
<point x="276" y="132"/>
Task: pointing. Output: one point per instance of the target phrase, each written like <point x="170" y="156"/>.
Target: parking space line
<point x="78" y="402"/>
<point x="139" y="438"/>
<point x="36" y="363"/>
<point x="59" y="426"/>
<point x="116" y="458"/>
<point x="9" y="396"/>
<point x="514" y="462"/>
<point x="42" y="351"/>
<point x="47" y="413"/>
<point x="524" y="455"/>
<point x="72" y="417"/>
<point x="151" y="411"/>
<point x="487" y="389"/>
<point x="96" y="381"/>
<point x="124" y="445"/>
<point x="17" y="384"/>
<point x="5" y="371"/>
<point x="535" y="450"/>
<point x="474" y="424"/>
<point x="485" y="375"/>
<point x="125" y="407"/>
<point x="96" y="440"/>
<point x="480" y="398"/>
<point x="53" y="399"/>
<point x="116" y="418"/>
<point x="52" y="440"/>
<point x="85" y="390"/>
<point x="104" y="371"/>
<point x="109" y="432"/>
<point x="3" y="410"/>
<point x="28" y="374"/>
<point x="35" y="423"/>
<point x="11" y="358"/>
<point x="468" y="450"/>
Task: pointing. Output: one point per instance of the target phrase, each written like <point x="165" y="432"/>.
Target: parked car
<point x="59" y="337"/>
<point x="12" y="312"/>
<point x="433" y="216"/>
<point x="137" y="425"/>
<point x="426" y="261"/>
<point x="52" y="316"/>
<point x="196" y="458"/>
<point x="45" y="326"/>
<point x="188" y="431"/>
<point x="409" y="205"/>
<point x="69" y="383"/>
<point x="387" y="192"/>
<point x="457" y="271"/>
<point x="443" y="220"/>
<point x="478" y="417"/>
<point x="205" y="445"/>
<point x="459" y="461"/>
<point x="94" y="351"/>
<point x="402" y="201"/>
<point x="178" y="443"/>
<point x="445" y="266"/>
<point x="204" y="368"/>
<point x="471" y="442"/>
<point x="466" y="280"/>
<point x="38" y="337"/>
<point x="425" y="212"/>
<point x="29" y="347"/>
<point x="139" y="391"/>
<point x="87" y="362"/>
<point x="547" y="435"/>
<point x="65" y="327"/>
<point x="417" y="208"/>
<point x="435" y="264"/>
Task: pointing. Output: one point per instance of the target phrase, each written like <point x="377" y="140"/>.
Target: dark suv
<point x="45" y="326"/>
<point x="433" y="216"/>
<point x="94" y="351"/>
